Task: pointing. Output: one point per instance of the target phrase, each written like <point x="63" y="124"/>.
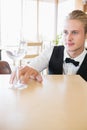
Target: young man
<point x="61" y="59"/>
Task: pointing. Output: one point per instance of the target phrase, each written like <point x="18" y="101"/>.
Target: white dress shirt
<point x="41" y="62"/>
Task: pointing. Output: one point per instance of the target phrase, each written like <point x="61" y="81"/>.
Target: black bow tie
<point x="68" y="60"/>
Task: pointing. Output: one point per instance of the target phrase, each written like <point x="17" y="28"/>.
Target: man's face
<point x="74" y="35"/>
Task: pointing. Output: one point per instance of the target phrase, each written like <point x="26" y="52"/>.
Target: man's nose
<point x="69" y="37"/>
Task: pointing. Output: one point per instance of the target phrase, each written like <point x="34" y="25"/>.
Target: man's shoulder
<point x="60" y="47"/>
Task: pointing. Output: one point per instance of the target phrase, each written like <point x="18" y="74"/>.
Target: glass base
<point x="18" y="85"/>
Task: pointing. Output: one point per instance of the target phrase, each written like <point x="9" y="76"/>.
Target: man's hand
<point x="25" y="73"/>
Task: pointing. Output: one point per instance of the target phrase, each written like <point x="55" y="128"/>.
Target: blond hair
<point x="79" y="15"/>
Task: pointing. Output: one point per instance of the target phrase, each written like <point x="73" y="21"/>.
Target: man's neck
<point x="75" y="53"/>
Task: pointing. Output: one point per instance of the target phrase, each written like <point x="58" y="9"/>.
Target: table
<point x="58" y="103"/>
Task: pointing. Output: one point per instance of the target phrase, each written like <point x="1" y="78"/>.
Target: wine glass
<point x="16" y="54"/>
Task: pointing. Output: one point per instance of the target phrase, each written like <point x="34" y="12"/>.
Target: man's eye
<point x="65" y="32"/>
<point x="74" y="32"/>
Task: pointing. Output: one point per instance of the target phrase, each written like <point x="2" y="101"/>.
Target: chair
<point x="5" y="67"/>
<point x="33" y="50"/>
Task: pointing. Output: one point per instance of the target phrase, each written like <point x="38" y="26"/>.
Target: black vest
<point x="56" y="63"/>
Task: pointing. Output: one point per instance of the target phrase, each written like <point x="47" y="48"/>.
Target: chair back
<point x="33" y="49"/>
<point x="5" y="67"/>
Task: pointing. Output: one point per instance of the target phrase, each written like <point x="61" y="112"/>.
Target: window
<point x="29" y="31"/>
<point x="26" y="19"/>
<point x="63" y="9"/>
<point x="10" y="21"/>
<point x="46" y="20"/>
